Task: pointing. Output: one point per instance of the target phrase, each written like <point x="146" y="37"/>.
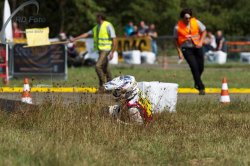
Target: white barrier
<point x="163" y="96"/>
<point x="92" y="55"/>
<point x="245" y="57"/>
<point x="148" y="57"/>
<point x="219" y="57"/>
<point x="132" y="57"/>
<point x="114" y="60"/>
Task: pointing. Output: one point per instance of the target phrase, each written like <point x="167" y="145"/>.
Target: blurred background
<point x="77" y="16"/>
<point x="70" y="18"/>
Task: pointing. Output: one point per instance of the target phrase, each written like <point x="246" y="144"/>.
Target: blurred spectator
<point x="220" y="41"/>
<point x="212" y="39"/>
<point x="17" y="32"/>
<point x="135" y="31"/>
<point x="129" y="29"/>
<point x="2" y="55"/>
<point x="153" y="35"/>
<point x="209" y="42"/>
<point x="63" y="36"/>
<point x="73" y="58"/>
<point x="143" y="29"/>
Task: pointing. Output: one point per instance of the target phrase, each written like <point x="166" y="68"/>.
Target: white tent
<point x="6" y="14"/>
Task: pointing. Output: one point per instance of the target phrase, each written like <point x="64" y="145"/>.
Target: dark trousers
<point x="195" y="59"/>
<point x="102" y="68"/>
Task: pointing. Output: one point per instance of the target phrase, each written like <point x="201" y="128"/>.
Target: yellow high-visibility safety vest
<point x="103" y="40"/>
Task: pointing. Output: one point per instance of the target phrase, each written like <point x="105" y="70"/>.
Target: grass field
<point x="238" y="76"/>
<point x="201" y="132"/>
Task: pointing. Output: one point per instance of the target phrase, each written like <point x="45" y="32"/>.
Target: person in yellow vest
<point x="189" y="34"/>
<point x="105" y="43"/>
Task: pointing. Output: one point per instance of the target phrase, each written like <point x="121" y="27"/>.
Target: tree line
<point x="78" y="16"/>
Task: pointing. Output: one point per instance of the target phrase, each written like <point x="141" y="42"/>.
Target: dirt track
<point x="11" y="101"/>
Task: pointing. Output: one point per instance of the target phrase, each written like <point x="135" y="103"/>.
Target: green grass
<point x="238" y="76"/>
<point x="200" y="133"/>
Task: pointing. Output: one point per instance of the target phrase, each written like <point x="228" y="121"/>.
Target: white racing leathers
<point x="125" y="90"/>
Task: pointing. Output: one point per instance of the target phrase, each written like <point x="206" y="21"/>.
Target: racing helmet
<point x="123" y="86"/>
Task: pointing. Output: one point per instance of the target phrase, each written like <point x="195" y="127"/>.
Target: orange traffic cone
<point x="26" y="98"/>
<point x="224" y="98"/>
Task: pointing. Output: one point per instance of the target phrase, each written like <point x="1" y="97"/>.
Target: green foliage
<point x="78" y="16"/>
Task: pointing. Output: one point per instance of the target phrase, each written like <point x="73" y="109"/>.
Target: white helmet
<point x="123" y="86"/>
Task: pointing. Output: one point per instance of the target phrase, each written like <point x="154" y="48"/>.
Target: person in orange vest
<point x="189" y="34"/>
<point x="105" y="43"/>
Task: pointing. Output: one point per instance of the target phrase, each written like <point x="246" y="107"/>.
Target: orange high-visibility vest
<point x="184" y="33"/>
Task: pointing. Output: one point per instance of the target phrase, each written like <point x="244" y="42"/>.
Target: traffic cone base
<point x="25" y="94"/>
<point x="26" y="98"/>
<point x="225" y="99"/>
